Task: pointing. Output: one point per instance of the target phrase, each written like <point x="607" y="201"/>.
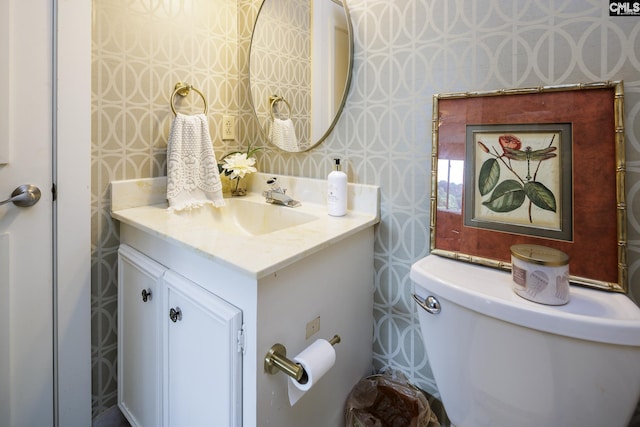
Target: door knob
<point x="24" y="196"/>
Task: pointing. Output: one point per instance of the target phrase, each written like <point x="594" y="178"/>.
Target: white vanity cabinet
<point x="139" y="337"/>
<point x="235" y="292"/>
<point x="179" y="363"/>
<point x="202" y="358"/>
<point x="203" y="383"/>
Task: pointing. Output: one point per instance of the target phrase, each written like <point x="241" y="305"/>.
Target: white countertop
<point x="142" y="204"/>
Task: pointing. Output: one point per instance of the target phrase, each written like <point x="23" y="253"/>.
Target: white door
<point x="36" y="355"/>
<point x="26" y="277"/>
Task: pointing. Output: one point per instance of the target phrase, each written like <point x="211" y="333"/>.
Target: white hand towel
<point x="193" y="179"/>
<point x="283" y="135"/>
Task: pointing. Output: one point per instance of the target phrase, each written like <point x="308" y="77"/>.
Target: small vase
<point x="239" y="188"/>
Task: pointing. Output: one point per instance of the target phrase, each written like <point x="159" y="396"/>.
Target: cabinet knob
<point x="175" y="314"/>
<point x="146" y="295"/>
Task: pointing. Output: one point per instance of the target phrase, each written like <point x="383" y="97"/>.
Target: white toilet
<point x="500" y="360"/>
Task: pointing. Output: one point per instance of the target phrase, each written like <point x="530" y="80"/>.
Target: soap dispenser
<point x="337" y="191"/>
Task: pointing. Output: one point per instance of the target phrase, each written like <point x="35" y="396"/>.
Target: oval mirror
<point x="300" y="63"/>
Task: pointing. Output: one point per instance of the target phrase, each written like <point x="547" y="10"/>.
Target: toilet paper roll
<point x="316" y="360"/>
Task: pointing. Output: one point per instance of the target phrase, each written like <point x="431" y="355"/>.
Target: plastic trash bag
<point x="388" y="400"/>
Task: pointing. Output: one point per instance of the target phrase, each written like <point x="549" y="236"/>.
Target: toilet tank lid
<point x="592" y="315"/>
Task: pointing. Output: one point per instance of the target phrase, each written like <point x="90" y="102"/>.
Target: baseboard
<point x="112" y="417"/>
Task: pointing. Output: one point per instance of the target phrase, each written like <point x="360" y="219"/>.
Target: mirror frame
<point x="345" y="92"/>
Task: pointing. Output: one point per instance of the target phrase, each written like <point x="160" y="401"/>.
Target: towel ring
<point x="273" y="100"/>
<point x="183" y="89"/>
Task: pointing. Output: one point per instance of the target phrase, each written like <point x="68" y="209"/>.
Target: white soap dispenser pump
<point x="337" y="191"/>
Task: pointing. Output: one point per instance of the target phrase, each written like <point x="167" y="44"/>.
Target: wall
<point x="405" y="50"/>
<point x="141" y="49"/>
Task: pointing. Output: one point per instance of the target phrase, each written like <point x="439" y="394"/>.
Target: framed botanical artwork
<point x="541" y="165"/>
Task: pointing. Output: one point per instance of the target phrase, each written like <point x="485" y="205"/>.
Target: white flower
<point x="239" y="165"/>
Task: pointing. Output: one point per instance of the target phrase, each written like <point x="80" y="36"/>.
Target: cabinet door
<point x="139" y="335"/>
<point x="202" y="367"/>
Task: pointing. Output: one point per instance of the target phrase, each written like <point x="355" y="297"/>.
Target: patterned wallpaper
<point x="141" y="49"/>
<point x="280" y="65"/>
<point x="405" y="50"/>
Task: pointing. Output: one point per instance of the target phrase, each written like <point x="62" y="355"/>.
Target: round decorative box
<point x="540" y="274"/>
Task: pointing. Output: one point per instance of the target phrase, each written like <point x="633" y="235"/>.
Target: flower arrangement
<point x="237" y="164"/>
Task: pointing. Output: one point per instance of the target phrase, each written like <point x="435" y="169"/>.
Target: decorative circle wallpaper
<point x="405" y="51"/>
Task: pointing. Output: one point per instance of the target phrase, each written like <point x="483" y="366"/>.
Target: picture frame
<point x="540" y="165"/>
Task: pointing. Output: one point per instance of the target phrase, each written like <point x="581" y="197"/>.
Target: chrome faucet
<point x="277" y="195"/>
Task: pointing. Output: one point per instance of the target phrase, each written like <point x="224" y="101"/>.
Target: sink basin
<point x="248" y="235"/>
<point x="247" y="217"/>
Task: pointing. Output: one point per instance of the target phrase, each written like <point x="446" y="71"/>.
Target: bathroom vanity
<point x="203" y="295"/>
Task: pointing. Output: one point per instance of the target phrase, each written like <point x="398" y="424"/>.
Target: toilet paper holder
<point x="276" y="360"/>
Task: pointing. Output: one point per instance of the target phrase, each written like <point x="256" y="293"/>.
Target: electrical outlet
<point x="228" y="127"/>
<point x="313" y="327"/>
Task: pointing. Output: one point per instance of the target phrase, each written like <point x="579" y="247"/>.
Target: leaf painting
<point x="522" y="166"/>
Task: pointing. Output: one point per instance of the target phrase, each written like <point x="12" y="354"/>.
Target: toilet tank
<point x="500" y="360"/>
